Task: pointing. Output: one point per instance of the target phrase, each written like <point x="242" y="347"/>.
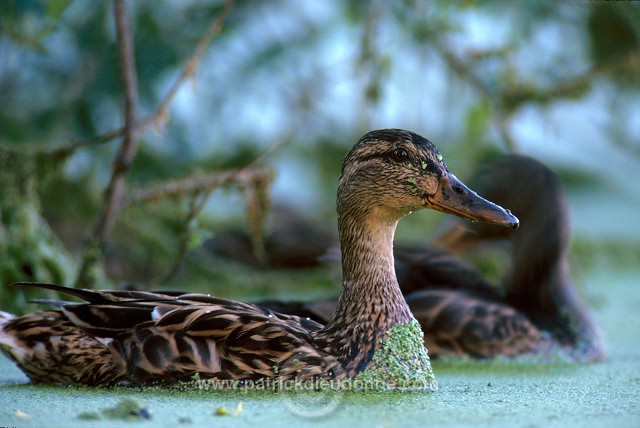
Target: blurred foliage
<point x="613" y="32"/>
<point x="29" y="250"/>
<point x="315" y="74"/>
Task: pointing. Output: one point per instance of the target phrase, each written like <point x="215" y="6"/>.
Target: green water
<point x="469" y="394"/>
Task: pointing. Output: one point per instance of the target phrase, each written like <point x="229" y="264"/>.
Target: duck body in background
<point x="536" y="310"/>
<point x="139" y="337"/>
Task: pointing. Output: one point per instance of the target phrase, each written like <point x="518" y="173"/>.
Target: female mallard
<point x="539" y="310"/>
<point x="462" y="313"/>
<point x="144" y="337"/>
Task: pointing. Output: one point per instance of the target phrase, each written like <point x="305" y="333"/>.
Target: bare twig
<point x="371" y="62"/>
<point x="196" y="184"/>
<point x="258" y="202"/>
<point x="463" y="71"/>
<point x="460" y="68"/>
<point x="507" y="100"/>
<point x="74" y="145"/>
<point x="159" y="115"/>
<point x="189" y="69"/>
<point x="255" y="181"/>
<point x="185" y="238"/>
<point x="127" y="150"/>
<point x="129" y="143"/>
<point x="113" y="194"/>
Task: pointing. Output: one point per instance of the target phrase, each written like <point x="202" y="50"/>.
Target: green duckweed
<point x="401" y="363"/>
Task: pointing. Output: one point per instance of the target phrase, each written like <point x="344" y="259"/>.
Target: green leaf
<point x="55" y="8"/>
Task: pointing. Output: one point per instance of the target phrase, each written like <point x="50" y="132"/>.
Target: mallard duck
<point x="539" y="310"/>
<point x="137" y="337"/>
<point x="536" y="311"/>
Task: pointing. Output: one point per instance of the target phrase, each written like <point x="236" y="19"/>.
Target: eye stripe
<point x="386" y="155"/>
<point x="402" y="155"/>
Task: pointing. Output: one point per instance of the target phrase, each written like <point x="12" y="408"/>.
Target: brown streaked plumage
<point x="536" y="311"/>
<point x="134" y="337"/>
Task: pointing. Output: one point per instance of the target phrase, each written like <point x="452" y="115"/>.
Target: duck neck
<point x="541" y="287"/>
<point x="371" y="302"/>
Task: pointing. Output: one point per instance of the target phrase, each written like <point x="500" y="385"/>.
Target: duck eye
<point x="399" y="155"/>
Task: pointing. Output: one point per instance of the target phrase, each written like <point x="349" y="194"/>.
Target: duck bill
<point x="453" y="197"/>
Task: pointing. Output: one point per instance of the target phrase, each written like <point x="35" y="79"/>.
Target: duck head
<point x="392" y="172"/>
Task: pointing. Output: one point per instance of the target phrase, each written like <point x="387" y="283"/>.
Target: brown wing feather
<point x="145" y="337"/>
<point x="225" y="342"/>
<point x="456" y="324"/>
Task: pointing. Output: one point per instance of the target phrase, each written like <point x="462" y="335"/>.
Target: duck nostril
<point x="459" y="190"/>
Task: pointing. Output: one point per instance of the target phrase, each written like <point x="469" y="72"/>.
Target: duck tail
<point x="5" y="317"/>
<point x="86" y="295"/>
<point x="6" y="340"/>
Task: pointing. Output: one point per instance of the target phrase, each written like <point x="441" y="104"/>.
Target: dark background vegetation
<point x="288" y="87"/>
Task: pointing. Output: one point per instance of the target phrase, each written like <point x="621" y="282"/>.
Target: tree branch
<point x="113" y="195"/>
<point x="129" y="144"/>
<point x="126" y="152"/>
<point x="202" y="183"/>
<point x="189" y="69"/>
<point x="255" y="180"/>
<point x="507" y="100"/>
<point x="160" y="113"/>
<point x="197" y="183"/>
<point x="185" y="236"/>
